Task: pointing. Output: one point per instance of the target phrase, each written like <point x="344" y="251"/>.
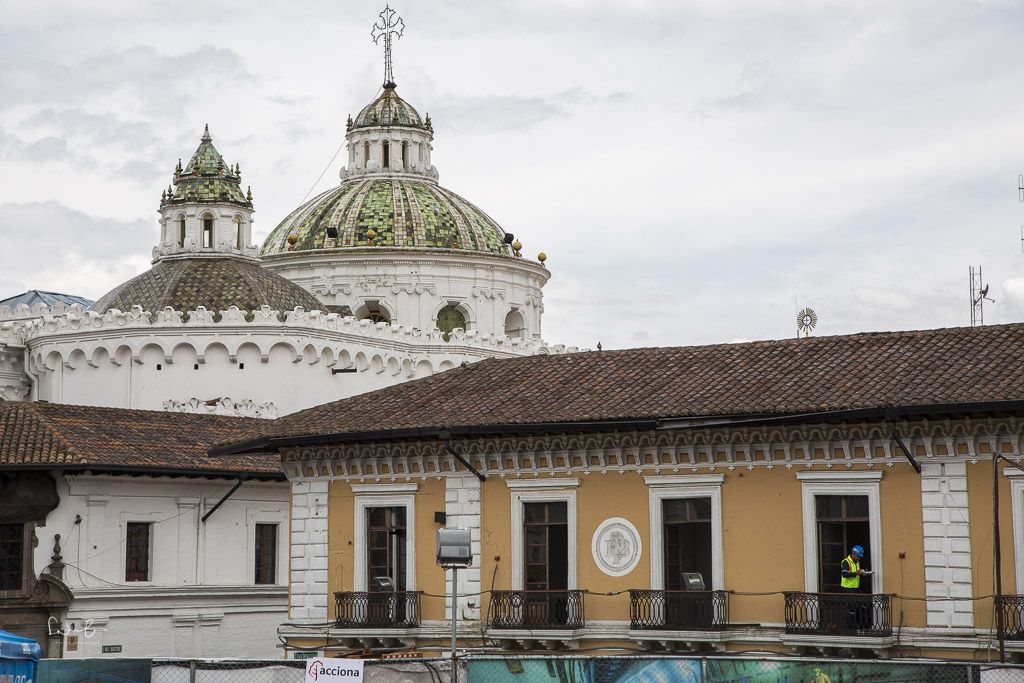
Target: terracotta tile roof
<point x="34" y="434"/>
<point x="784" y="377"/>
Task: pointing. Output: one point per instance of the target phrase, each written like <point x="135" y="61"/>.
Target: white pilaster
<point x="308" y="575"/>
<point x="462" y="511"/>
<point x="947" y="545"/>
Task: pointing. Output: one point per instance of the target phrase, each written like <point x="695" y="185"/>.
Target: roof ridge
<point x="253" y="281"/>
<point x="71" y="452"/>
<point x="173" y="277"/>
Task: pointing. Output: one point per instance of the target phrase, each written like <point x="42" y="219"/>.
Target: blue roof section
<point x="36" y="296"/>
<point x="16" y="647"/>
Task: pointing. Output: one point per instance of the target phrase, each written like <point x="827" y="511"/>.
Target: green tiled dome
<point x="216" y="283"/>
<point x="402" y="212"/>
<point x="388" y="110"/>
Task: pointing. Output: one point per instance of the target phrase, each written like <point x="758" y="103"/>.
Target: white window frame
<point x="279" y="519"/>
<point x="1016" y="477"/>
<point x="558" y="490"/>
<point x="152" y="519"/>
<point x="856" y="483"/>
<point x="672" y="487"/>
<point x="382" y="496"/>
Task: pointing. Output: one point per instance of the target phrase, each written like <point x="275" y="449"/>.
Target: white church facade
<point x="385" y="278"/>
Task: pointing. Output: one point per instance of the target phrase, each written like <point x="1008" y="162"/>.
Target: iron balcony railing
<point x="840" y="614"/>
<point x="385" y="609"/>
<point x="1012" y="607"/>
<point x="651" y="610"/>
<point x="536" y="610"/>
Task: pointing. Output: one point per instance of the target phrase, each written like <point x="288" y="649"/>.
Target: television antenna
<point x="1020" y="197"/>
<point x="806" y="320"/>
<point x="979" y="295"/>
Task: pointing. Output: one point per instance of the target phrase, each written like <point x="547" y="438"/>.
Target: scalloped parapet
<point x="290" y="322"/>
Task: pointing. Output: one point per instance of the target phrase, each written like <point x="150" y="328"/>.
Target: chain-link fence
<point x="229" y="671"/>
<point x="731" y="670"/>
<point x="551" y="669"/>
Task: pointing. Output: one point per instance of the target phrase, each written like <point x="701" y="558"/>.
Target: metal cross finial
<point x="390" y="27"/>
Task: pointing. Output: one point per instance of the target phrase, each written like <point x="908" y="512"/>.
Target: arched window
<point x="450" y="318"/>
<point x="207" y="231"/>
<point x="181" y="231"/>
<point x="366" y="154"/>
<point x="385" y="155"/>
<point x="515" y="326"/>
<point x="405" y="155"/>
<point x="238" y="233"/>
<point x="374" y="312"/>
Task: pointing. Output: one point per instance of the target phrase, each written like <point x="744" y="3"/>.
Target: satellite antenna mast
<point x="979" y="295"/>
<point x="1020" y="197"/>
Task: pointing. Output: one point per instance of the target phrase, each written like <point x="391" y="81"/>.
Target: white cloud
<point x="689" y="168"/>
<point x="51" y="247"/>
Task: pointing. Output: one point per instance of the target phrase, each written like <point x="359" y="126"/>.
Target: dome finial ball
<point x="542" y="257"/>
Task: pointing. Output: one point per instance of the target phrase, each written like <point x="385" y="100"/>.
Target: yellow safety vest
<point x="853" y="581"/>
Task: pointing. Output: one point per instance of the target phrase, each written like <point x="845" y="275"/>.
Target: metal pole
<point x="997" y="559"/>
<point x="455" y="614"/>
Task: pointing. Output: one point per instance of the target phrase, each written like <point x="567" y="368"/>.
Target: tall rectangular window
<point x="12" y="556"/>
<point x="686" y="529"/>
<point x="137" y="551"/>
<point x="843" y="522"/>
<point x="207" y="233"/>
<point x="386" y="548"/>
<point x="266" y="554"/>
<point x="546" y="546"/>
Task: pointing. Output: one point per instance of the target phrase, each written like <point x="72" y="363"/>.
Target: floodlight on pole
<point x="454" y="550"/>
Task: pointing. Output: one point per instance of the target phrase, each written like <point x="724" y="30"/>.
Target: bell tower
<point x="204" y="211"/>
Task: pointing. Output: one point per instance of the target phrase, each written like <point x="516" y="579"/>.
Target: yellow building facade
<point x="596" y="533"/>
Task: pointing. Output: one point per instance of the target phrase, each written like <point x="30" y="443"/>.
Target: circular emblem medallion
<point x="616" y="546"/>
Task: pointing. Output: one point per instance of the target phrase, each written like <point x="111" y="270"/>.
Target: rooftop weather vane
<point x="390" y="27"/>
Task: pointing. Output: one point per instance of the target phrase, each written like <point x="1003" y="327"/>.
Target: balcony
<point x="536" y="610"/>
<point x="660" y="610"/>
<point x="838" y="614"/>
<point x="1012" y="607"/>
<point x="377" y="610"/>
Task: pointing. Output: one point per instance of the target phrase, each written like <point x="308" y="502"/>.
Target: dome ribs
<point x="460" y="221"/>
<point x="405" y="213"/>
<point x="396" y="202"/>
<point x="348" y="237"/>
<point x="417" y="215"/>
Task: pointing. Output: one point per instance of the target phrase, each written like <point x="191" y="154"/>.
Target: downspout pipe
<point x="461" y="458"/>
<point x="241" y="480"/>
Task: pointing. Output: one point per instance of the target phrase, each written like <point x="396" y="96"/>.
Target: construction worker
<point x="857" y="615"/>
<point x="851" y="571"/>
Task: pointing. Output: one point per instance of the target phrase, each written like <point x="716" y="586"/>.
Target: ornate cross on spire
<point x="389" y="26"/>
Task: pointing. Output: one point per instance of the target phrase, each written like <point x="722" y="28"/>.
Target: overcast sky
<point x="694" y="170"/>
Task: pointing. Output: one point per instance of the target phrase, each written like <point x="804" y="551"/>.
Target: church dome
<point x="216" y="283"/>
<point x="388" y="110"/>
<point x="402" y="212"/>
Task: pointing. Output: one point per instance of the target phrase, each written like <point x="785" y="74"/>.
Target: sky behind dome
<point x="695" y="171"/>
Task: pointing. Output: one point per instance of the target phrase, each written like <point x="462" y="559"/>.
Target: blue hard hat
<point x="857" y="550"/>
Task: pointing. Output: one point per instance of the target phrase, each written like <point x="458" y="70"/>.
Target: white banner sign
<point x="331" y="670"/>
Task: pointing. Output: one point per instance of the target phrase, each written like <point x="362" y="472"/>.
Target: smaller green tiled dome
<point x="185" y="284"/>
<point x="207" y="179"/>
<point x="388" y="110"/>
